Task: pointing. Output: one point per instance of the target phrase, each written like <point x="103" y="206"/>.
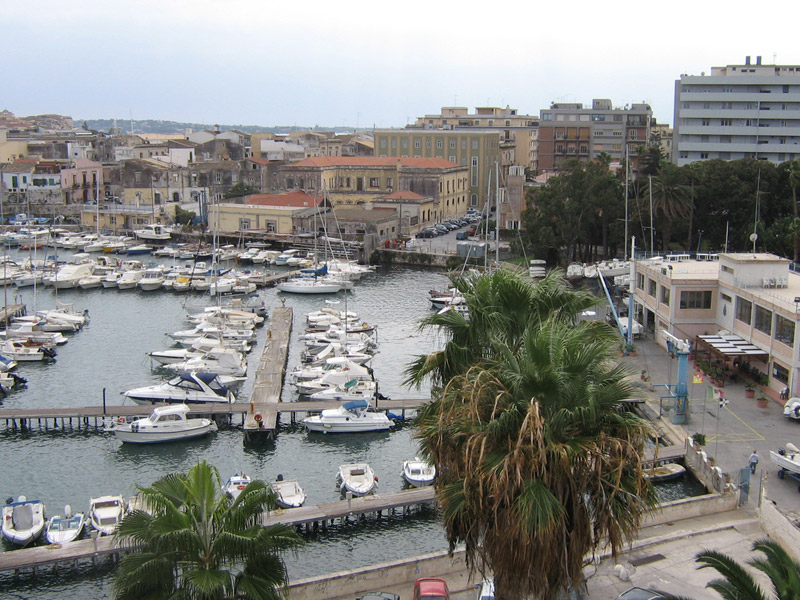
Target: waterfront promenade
<point x="661" y="556"/>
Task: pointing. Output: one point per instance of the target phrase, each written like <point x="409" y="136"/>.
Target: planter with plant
<point x="749" y="391"/>
<point x="762" y="400"/>
<point x="699" y="439"/>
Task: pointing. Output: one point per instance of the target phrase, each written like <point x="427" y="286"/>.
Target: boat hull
<point x="344" y="426"/>
<point x="160" y="437"/>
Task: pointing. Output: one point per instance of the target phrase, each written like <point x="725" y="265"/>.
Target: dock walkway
<point x="311" y="517"/>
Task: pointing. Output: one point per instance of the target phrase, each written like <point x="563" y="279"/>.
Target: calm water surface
<point x="109" y="356"/>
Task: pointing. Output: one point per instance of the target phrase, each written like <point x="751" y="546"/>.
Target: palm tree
<point x="671" y="199"/>
<point x="192" y="541"/>
<point x="500" y="305"/>
<point x="538" y="464"/>
<point x="736" y="583"/>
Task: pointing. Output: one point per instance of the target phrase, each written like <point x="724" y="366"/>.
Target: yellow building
<point x="350" y="181"/>
<point x="478" y="152"/>
<point x="271" y="213"/>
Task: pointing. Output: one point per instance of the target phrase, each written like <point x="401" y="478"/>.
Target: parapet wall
<point x="779" y="527"/>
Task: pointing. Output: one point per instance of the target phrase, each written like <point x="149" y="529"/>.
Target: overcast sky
<point x="375" y="63"/>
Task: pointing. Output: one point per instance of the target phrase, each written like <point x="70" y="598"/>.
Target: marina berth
<point x="222" y="361"/>
<point x="165" y="424"/>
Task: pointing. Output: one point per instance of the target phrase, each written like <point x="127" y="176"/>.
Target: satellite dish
<point x="753" y="237"/>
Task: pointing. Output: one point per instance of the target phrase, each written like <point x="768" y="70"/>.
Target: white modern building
<point x="750" y="110"/>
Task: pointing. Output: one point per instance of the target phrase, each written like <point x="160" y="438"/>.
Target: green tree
<point x="240" y="189"/>
<point x="782" y="571"/>
<point x="193" y="542"/>
<point x="538" y="465"/>
<point x="670" y="199"/>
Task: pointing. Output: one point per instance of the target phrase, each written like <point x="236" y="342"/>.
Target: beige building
<point x="518" y="133"/>
<point x="476" y="151"/>
<point x="352" y="181"/>
<point x="269" y="213"/>
<point x="753" y="296"/>
<point x="414" y="211"/>
<point x="11" y="150"/>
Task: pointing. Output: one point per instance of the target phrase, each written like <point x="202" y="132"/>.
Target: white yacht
<point x="165" y="424"/>
<point x="351" y="417"/>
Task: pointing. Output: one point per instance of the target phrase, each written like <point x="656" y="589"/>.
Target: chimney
<point x="758" y="60"/>
<point x="747" y="60"/>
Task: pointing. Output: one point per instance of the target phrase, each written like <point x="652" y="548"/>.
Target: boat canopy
<point x="355" y="404"/>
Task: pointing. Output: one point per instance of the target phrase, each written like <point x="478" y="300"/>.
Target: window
<point x="452" y="145"/>
<point x="452" y="159"/>
<point x="706" y="122"/>
<point x="383" y="142"/>
<point x="598" y="117"/>
<point x="428" y="143"/>
<point x="390" y="182"/>
<point x="639" y="281"/>
<point x="474" y="144"/>
<point x="664" y="295"/>
<point x="696" y="300"/>
<point x="632" y="134"/>
<point x="780" y="373"/>
<point x="763" y="320"/>
<point x="725" y="122"/>
<point x="651" y="288"/>
<point x="218" y="177"/>
<point x="440" y="143"/>
<point x="417" y="144"/>
<point x="244" y="224"/>
<point x="374" y="182"/>
<point x="725" y="297"/>
<point x="704" y="155"/>
<point x="404" y="143"/>
<point x="784" y="330"/>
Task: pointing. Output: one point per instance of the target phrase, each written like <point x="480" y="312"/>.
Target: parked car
<point x="431" y="588"/>
<point x="472" y="230"/>
<point x="379" y="596"/>
<point x="461" y="235"/>
<point x="638" y="593"/>
<point x="441" y="228"/>
<point x="427" y="233"/>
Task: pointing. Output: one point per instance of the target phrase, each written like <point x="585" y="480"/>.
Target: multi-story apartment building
<point x="82" y="181"/>
<point x="518" y="133"/>
<point x="738" y="111"/>
<point x="661" y="135"/>
<point x="478" y="151"/>
<point x="26" y="185"/>
<point x="570" y="130"/>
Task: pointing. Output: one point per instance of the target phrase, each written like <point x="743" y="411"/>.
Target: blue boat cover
<point x="353" y="404"/>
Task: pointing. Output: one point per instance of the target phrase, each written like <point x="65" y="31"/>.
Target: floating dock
<point x="310" y="518"/>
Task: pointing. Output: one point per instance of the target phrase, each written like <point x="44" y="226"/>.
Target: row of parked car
<point x="451" y="225"/>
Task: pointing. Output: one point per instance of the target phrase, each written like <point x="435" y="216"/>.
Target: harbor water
<point x="109" y="356"/>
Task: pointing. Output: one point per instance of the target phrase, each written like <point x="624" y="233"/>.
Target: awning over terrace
<point x="728" y="346"/>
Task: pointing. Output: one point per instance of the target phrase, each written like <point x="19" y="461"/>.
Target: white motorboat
<point x="130" y="279"/>
<point x="358" y="353"/>
<point x="418" y="472"/>
<point x="91" y="282"/>
<point x="351" y="391"/>
<point x="787" y="458"/>
<point x="574" y="271"/>
<point x="165" y="424"/>
<point x="173" y="355"/>
<point x="17" y="350"/>
<point x="351" y="417"/>
<point x="236" y="484"/>
<point x="9" y="382"/>
<point x="204" y="343"/>
<point x="105" y="513"/>
<point x="335" y="364"/>
<point x="206" y="328"/>
<point x="6" y="364"/>
<point x="69" y="275"/>
<point x="222" y="361"/>
<point x="288" y="493"/>
<point x="356" y="478"/>
<point x="23" y="520"/>
<point x="153" y="232"/>
<point x="283" y="258"/>
<point x="188" y="388"/>
<point x="68" y="528"/>
<point x="305" y="285"/>
<point x="151" y="279"/>
<point x="334" y="378"/>
<point x="36" y="331"/>
<point x="65" y="312"/>
<point x="791" y="409"/>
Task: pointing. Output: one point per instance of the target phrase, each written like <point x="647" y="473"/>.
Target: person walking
<point x="753" y="461"/>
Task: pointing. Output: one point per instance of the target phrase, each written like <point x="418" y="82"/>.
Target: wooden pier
<point x="261" y="420"/>
<point x="9" y="311"/>
<point x="309" y="518"/>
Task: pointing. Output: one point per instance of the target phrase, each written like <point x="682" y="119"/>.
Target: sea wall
<point x="779" y="527"/>
<point x="689" y="508"/>
<point x="351" y="584"/>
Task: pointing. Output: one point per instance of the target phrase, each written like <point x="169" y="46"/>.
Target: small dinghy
<point x="664" y="472"/>
<point x="356" y="478"/>
<point x="23" y="520"/>
<point x="105" y="513"/>
<point x="288" y="493"/>
<point x="235" y="484"/>
<point x="65" y="529"/>
<point x="418" y="473"/>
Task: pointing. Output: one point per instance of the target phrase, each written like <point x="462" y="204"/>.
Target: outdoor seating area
<point x="725" y="357"/>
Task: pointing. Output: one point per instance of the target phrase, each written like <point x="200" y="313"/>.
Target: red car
<point x="431" y="588"/>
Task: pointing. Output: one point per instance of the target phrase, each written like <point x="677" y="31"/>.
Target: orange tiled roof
<point x="260" y="161"/>
<point x="292" y="199"/>
<point x="375" y="161"/>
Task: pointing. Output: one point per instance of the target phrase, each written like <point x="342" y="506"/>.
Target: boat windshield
<point x="108" y="521"/>
<point x="107" y="504"/>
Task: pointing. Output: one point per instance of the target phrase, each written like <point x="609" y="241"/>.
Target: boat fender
<point x="258" y="418"/>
